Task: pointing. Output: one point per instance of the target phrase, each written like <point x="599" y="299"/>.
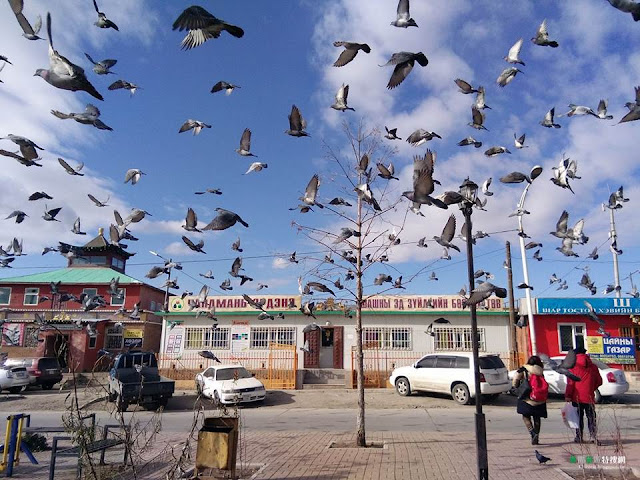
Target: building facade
<point x="73" y="335"/>
<point x="562" y="324"/>
<point x="397" y="330"/>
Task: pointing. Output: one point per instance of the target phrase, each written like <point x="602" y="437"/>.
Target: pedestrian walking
<point x="582" y="394"/>
<point x="532" y="399"/>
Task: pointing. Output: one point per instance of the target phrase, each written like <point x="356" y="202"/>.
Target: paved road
<point x="459" y="419"/>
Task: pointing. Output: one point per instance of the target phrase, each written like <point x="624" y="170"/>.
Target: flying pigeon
<point x="340" y="201"/>
<point x="102" y="67"/>
<point x="62" y="73"/>
<point x="195" y="125"/>
<point x="226" y="86"/>
<point x="548" y="120"/>
<point x="90" y="116"/>
<point x="497" y="150"/>
<point x="421" y="136"/>
<point x="448" y="233"/>
<point x="433" y="277"/>
<point x="191" y="221"/>
<point x="208" y="274"/>
<point x="477" y="119"/>
<point x="311" y="192"/>
<point x="224" y="220"/>
<point x="519" y="141"/>
<point x="403" y="62"/>
<point x="350" y="51"/>
<point x="634" y="109"/>
<point x="103" y="21"/>
<point x="297" y="124"/>
<point x="485" y="187"/>
<point x="514" y="53"/>
<point x="364" y="191"/>
<point x="256" y="167"/>
<point x="465" y="87"/>
<point x="226" y="285"/>
<point x="236" y="245"/>
<point x="134" y="175"/>
<point x="50" y="215"/>
<point x="38" y="195"/>
<point x="341" y="99"/>
<point x="382" y="278"/>
<point x="594" y="254"/>
<point x="27" y="147"/>
<point x="507" y="76"/>
<point x="469" y="141"/>
<point x="308" y="309"/>
<point x="577" y="110"/>
<point x="587" y="283"/>
<point x="76" y="227"/>
<point x="515" y="177"/>
<point x="18" y="214"/>
<point x="208" y="354"/>
<point x="542" y="37"/>
<point x="386" y="172"/>
<point x="345" y="234"/>
<point x="245" y="144"/>
<point x="202" y="26"/>
<point x="602" y="110"/>
<point x="69" y="169"/>
<point x="124" y="85"/>
<point x="403" y="17"/>
<point x="479" y="101"/>
<point x="196" y="247"/>
<point x="28" y="32"/>
<point x="215" y="191"/>
<point x="627" y="6"/>
<point x="391" y="134"/>
<point x="482" y="292"/>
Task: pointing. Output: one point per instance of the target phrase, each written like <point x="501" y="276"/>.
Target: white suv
<point x="13" y="378"/>
<point x="452" y="373"/>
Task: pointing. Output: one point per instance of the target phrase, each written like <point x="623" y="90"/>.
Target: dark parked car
<point x="43" y="371"/>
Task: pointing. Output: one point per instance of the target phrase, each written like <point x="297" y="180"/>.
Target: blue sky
<point x="285" y="58"/>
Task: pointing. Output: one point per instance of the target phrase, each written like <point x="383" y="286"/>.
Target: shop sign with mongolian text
<point x="618" y="350"/>
<point x="234" y="303"/>
<point x="576" y="306"/>
<point x="427" y="302"/>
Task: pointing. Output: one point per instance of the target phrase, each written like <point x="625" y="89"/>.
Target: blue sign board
<point x="619" y="350"/>
<point x="576" y="306"/>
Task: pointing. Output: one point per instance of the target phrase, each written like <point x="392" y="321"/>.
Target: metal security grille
<point x="386" y="338"/>
<point x="206" y="338"/>
<point x="114" y="339"/>
<point x="457" y="339"/>
<point x="260" y="337"/>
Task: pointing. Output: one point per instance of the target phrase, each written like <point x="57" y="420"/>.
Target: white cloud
<point x="279" y="263"/>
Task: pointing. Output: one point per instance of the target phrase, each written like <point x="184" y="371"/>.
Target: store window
<point x="31" y="296"/>
<point x="260" y="337"/>
<point x="90" y="292"/>
<point x="114" y="339"/>
<point x="386" y="338"/>
<point x="570" y="336"/>
<point x="119" y="299"/>
<point x="458" y="339"/>
<point x="203" y="338"/>
<point x="93" y="341"/>
<point x="117" y="263"/>
<point x="5" y="295"/>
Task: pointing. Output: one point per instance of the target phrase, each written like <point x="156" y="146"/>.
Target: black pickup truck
<point x="134" y="379"/>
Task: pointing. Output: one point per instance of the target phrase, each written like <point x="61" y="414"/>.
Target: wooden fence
<point x="276" y="366"/>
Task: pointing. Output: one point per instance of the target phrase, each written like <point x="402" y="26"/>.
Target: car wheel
<point x="460" y="393"/>
<point x="15" y="389"/>
<point x="403" y="387"/>
<point x="598" y="396"/>
<point x="47" y="386"/>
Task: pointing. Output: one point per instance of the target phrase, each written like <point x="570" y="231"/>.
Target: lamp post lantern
<point x="469" y="192"/>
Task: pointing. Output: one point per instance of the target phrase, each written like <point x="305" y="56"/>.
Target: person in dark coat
<point x="582" y="394"/>
<point x="531" y="410"/>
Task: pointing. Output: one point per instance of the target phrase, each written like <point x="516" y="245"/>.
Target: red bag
<point x="539" y="388"/>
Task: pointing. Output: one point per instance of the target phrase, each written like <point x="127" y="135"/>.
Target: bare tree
<point x="358" y="243"/>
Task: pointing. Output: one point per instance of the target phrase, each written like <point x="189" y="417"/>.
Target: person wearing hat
<point x="582" y="394"/>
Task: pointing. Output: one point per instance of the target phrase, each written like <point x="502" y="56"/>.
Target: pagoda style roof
<point x="99" y="244"/>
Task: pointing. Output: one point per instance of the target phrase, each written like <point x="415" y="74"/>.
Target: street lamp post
<point x="165" y="308"/>
<point x="613" y="236"/>
<point x="535" y="173"/>
<point x="469" y="192"/>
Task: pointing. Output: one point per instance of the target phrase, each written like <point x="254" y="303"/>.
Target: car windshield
<point x="230" y="373"/>
<point x="491" y="361"/>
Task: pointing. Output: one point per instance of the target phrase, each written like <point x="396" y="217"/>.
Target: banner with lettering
<point x="618" y="350"/>
<point x="576" y="306"/>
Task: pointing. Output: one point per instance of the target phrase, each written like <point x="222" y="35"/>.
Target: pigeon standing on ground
<point x="90" y="116"/>
<point x="28" y="32"/>
<point x="350" y="51"/>
<point x="541" y="458"/>
<point x="62" y="73"/>
<point x="403" y="62"/>
<point x="403" y="17"/>
<point x="202" y="26"/>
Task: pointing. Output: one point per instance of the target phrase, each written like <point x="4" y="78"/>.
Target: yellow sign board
<point x="133" y="333"/>
<point x="595" y="345"/>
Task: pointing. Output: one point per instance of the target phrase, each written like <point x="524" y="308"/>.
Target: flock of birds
<point x="201" y="26"/>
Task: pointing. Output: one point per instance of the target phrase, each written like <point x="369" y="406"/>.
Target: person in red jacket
<point x="582" y="394"/>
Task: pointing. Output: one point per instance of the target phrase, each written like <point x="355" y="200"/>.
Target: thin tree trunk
<point x="360" y="429"/>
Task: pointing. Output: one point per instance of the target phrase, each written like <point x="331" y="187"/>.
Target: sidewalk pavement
<point x="404" y="456"/>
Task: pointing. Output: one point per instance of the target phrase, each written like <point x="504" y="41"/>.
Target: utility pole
<point x="512" y="313"/>
<point x="613" y="236"/>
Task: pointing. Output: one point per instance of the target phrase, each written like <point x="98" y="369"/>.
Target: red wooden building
<point x="73" y="335"/>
